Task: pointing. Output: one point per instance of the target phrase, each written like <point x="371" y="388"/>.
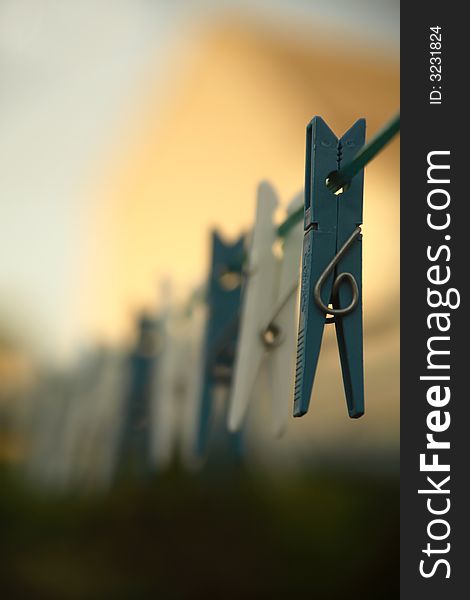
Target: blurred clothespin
<point x="331" y="264"/>
<point x="94" y="429"/>
<point x="162" y="394"/>
<point x="142" y="361"/>
<point x="267" y="329"/>
<point x="221" y="331"/>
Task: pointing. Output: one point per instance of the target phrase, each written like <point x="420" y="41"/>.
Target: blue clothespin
<point x="331" y="264"/>
<point x="221" y="332"/>
<point x="142" y="361"/>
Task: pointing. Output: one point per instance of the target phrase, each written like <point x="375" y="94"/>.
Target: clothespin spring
<point x="338" y="312"/>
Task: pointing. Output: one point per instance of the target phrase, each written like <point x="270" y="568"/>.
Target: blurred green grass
<point x="223" y="534"/>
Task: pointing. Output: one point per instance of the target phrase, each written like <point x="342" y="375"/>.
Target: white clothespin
<point x="165" y="386"/>
<point x="176" y="385"/>
<point x="260" y="289"/>
<point x="283" y="324"/>
<point x="192" y="361"/>
<point x="268" y="319"/>
<point x="95" y="426"/>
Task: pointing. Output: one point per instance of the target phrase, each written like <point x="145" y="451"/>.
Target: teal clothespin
<point x="331" y="264"/>
<point x="141" y="365"/>
<point x="223" y="306"/>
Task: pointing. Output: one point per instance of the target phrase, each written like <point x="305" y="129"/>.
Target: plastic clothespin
<point x="165" y="390"/>
<point x="94" y="429"/>
<point x="176" y="381"/>
<point x="331" y="264"/>
<point x="281" y="360"/>
<point x="267" y="331"/>
<point x="142" y="361"/>
<point x="221" y="331"/>
<point x="260" y="288"/>
<point x="192" y="365"/>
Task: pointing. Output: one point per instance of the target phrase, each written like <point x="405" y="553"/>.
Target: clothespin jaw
<point x="223" y="302"/>
<point x="331" y="265"/>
